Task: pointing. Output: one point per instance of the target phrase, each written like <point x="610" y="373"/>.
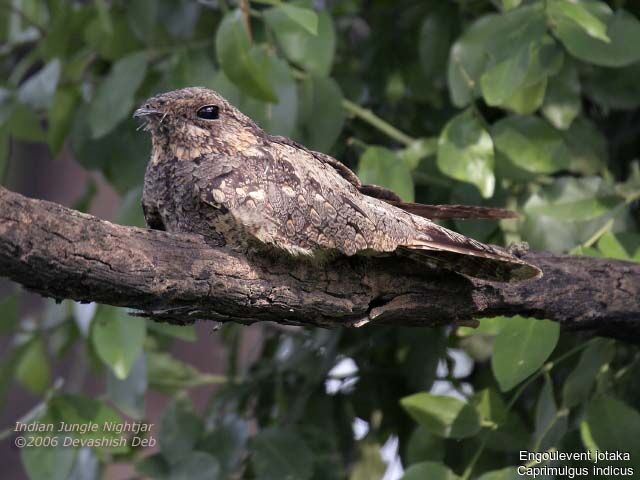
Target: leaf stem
<point x="376" y="122"/>
<point x="544" y="370"/>
<point x="244" y="6"/>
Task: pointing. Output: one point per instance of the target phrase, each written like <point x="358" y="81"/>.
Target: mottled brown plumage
<point x="213" y="171"/>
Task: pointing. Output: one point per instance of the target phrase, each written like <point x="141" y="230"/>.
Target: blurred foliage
<point x="532" y="105"/>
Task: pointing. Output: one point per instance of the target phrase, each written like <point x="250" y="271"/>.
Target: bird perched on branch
<point x="213" y="171"/>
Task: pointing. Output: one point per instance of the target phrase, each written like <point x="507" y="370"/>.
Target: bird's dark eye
<point x="208" y="112"/>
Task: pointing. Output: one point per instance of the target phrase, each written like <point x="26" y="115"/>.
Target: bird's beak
<point x="143" y="112"/>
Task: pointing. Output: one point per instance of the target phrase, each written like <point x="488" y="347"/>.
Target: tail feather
<point x="454" y="211"/>
<point x="456" y="252"/>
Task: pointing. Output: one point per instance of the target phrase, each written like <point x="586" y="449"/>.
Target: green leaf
<point x="465" y="152"/>
<point x="60" y="117"/>
<point x="129" y="211"/>
<point x="560" y="10"/>
<point x="196" y="466"/>
<point x="279" y="454"/>
<point x="550" y="423"/>
<point x="381" y="166"/>
<point x="623" y="29"/>
<point x="576" y="226"/>
<point x="314" y="53"/>
<point x="424" y="446"/>
<point x="154" y="466"/>
<point x="562" y="103"/>
<point x="192" y="67"/>
<point x="39" y="88"/>
<point x="9" y="362"/>
<point x="183" y="332"/>
<point x="501" y="81"/>
<point x="510" y="4"/>
<point x="447" y="417"/>
<point x="276" y="119"/>
<point x="110" y="43"/>
<point x="434" y="42"/>
<point x="577" y="210"/>
<point x="615" y="88"/>
<point x="612" y="424"/>
<point x="430" y="470"/>
<point x="80" y="410"/>
<point x="490" y="406"/>
<point x="530" y="144"/>
<point x="306" y="18"/>
<point x="4" y="152"/>
<point x="9" y="312"/>
<point x="117" y="338"/>
<point x="515" y="30"/>
<point x="180" y="429"/>
<point x="509" y="473"/>
<point x="587" y="147"/>
<point x="521" y="348"/>
<point x="321" y="116"/>
<point x="468" y="59"/>
<point x="142" y="17"/>
<point x="121" y="155"/>
<point x="227" y="442"/>
<point x="168" y="374"/>
<point x="128" y="394"/>
<point x="488" y="326"/>
<point x="424" y="351"/>
<point x="25" y="125"/>
<point x="114" y="97"/>
<point x="370" y="464"/>
<point x="609" y="245"/>
<point x="48" y="463"/>
<point x="33" y="370"/>
<point x="580" y="382"/>
<point x="244" y="65"/>
<point x="527" y="99"/>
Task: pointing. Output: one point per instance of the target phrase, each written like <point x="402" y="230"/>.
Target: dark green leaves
<point x="380" y="166"/>
<point x="9" y="315"/>
<point x="610" y="424"/>
<point x="521" y="347"/>
<point x="443" y="416"/>
<point x="246" y="65"/>
<point x="114" y="97"/>
<point x="465" y="152"/>
<point x="281" y="454"/>
<point x="430" y="470"/>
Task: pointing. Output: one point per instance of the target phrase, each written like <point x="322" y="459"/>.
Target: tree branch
<point x="62" y="253"/>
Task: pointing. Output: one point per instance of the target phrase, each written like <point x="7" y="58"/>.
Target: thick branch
<point x="62" y="253"/>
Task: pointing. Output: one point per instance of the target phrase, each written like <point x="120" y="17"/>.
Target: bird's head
<point x="196" y="119"/>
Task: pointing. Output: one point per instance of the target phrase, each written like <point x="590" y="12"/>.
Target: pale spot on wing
<point x="218" y="195"/>
<point x="288" y="191"/>
<point x="257" y="195"/>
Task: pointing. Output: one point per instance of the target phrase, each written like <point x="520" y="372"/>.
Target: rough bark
<point x="62" y="253"/>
